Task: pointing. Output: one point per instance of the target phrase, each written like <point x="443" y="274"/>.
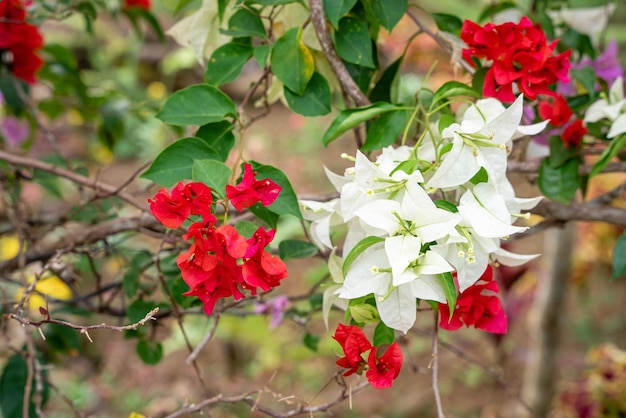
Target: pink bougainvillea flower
<point x="354" y="343"/>
<point x="140" y="4"/>
<point x="573" y="134"/>
<point x="474" y="307"/>
<point x="519" y="55"/>
<point x="250" y="191"/>
<point x="185" y="200"/>
<point x="276" y="307"/>
<point x="19" y="42"/>
<point x="557" y="111"/>
<point x="384" y="369"/>
<point x="14" y="130"/>
<point x="261" y="269"/>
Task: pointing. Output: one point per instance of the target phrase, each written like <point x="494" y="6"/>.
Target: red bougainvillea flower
<point x="354" y="343"/>
<point x="557" y="111"/>
<point x="250" y="191"/>
<point x="473" y="307"/>
<point x="141" y="4"/>
<point x="19" y="42"/>
<point x="185" y="200"/>
<point x="519" y="54"/>
<point x="261" y="269"/>
<point x="384" y="369"/>
<point x="210" y="267"/>
<point x="573" y="134"/>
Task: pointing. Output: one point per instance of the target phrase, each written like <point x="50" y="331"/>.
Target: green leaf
<point x="264" y="214"/>
<point x="292" y="62"/>
<point x="364" y="313"/>
<point x="386" y="129"/>
<point x="316" y="99"/>
<point x="196" y="105"/>
<point x="13" y="386"/>
<point x="353" y="42"/>
<point x="447" y="23"/>
<point x="219" y="135"/>
<point x="481" y="176"/>
<point x="336" y="9"/>
<point x="311" y="341"/>
<point x="559" y="183"/>
<point x="358" y="249"/>
<point x="446" y="205"/>
<point x="292" y="248"/>
<point x="578" y="42"/>
<point x="383" y="335"/>
<point x="245" y="22"/>
<point x="361" y="75"/>
<point x="386" y="88"/>
<point x="61" y="338"/>
<point x="491" y="10"/>
<point x="616" y="145"/>
<point x="559" y="153"/>
<point x="287" y="202"/>
<point x="261" y="52"/>
<point x="389" y="12"/>
<point x="270" y="2"/>
<point x="130" y="280"/>
<point x="226" y="63"/>
<point x="214" y="174"/>
<point x="586" y="76"/>
<point x="175" y="162"/>
<point x="246" y="228"/>
<point x="449" y="289"/>
<point x="453" y="88"/>
<point x="619" y="258"/>
<point x="150" y="352"/>
<point x="350" y="118"/>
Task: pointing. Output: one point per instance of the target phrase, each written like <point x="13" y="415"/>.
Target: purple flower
<point x="606" y="67"/>
<point x="14" y="131"/>
<point x="276" y="307"/>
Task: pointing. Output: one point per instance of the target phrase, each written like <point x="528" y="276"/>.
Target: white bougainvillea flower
<point x="330" y="297"/>
<point x="322" y="215"/>
<point x="480" y="140"/>
<point x="407" y="261"/>
<point x="487" y="212"/>
<point x="610" y="107"/>
<point x="371" y="274"/>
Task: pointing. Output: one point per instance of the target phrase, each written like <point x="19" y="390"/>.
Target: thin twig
<point x="97" y="186"/>
<point x="209" y="335"/>
<point x="434" y="365"/>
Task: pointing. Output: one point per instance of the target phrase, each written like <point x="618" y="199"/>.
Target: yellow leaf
<point x="9" y="247"/>
<point x="51" y="286"/>
<point x="136" y="415"/>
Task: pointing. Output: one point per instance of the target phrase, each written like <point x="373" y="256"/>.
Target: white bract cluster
<point x="417" y="214"/>
<point x="610" y="107"/>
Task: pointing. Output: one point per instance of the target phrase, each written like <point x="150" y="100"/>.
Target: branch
<point x="532" y="167"/>
<point x="559" y="213"/>
<point x="85" y="236"/>
<point x="318" y="18"/>
<point x="98" y="186"/>
<point x="252" y="399"/>
<point x="435" y="365"/>
<point x="84" y="329"/>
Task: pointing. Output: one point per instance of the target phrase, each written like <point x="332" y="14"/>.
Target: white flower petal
<point x="511" y="259"/>
<point x="398" y="310"/>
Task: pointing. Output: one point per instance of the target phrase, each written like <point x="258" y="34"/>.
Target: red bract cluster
<point x="557" y="111"/>
<point x="519" y="54"/>
<point x="186" y="199"/>
<point x="573" y="134"/>
<point x="140" y="4"/>
<point x="473" y="307"/>
<point x="250" y="191"/>
<point x="19" y="41"/>
<point x="220" y="262"/>
<point x="381" y="371"/>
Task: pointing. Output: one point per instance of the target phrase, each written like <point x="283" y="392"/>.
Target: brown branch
<point x="532" y="167"/>
<point x="443" y="43"/>
<point x="85" y="236"/>
<point x="556" y="212"/>
<point x="252" y="399"/>
<point x="316" y="8"/>
<point x="97" y="186"/>
<point x="84" y="329"/>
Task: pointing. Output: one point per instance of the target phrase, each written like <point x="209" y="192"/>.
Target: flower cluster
<point x="519" y="55"/>
<point x="19" y="41"/>
<point x="474" y="307"/>
<point x="381" y="371"/>
<point x="221" y="262"/>
<point x="416" y="215"/>
<point x="140" y="4"/>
